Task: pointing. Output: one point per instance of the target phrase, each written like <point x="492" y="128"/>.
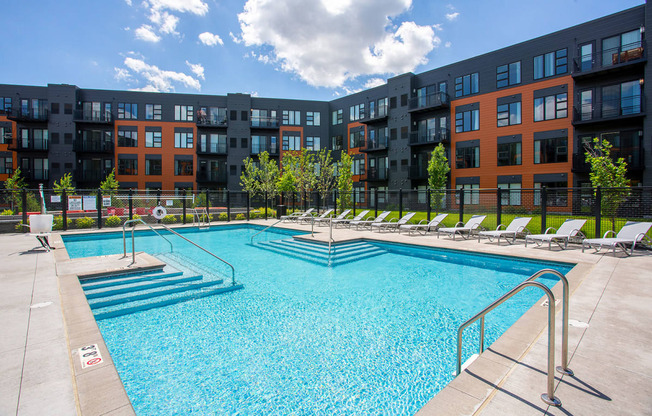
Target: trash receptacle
<point x="281" y="210"/>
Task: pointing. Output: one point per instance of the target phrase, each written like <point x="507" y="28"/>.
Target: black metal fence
<point x="602" y="208"/>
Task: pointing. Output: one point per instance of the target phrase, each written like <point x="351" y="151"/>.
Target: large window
<point x="358" y="167"/>
<point x="183" y="112"/>
<point x="183" y="140"/>
<point x="6" y="164"/>
<point x="551" y="64"/>
<point x="509" y="154"/>
<point x="356" y="139"/>
<point x="337" y="117"/>
<point x="182" y="167"/>
<point x="313" y="118"/>
<point x="153" y="139"/>
<point x="337" y="143"/>
<point x="313" y="143"/>
<point x="471" y="193"/>
<point x="467" y="85"/>
<point x="467" y="154"/>
<point x="291" y="141"/>
<point x="467" y="121"/>
<point x="153" y="167"/>
<point x="553" y="150"/>
<point x="41" y="169"/>
<point x="378" y="108"/>
<point x="263" y="118"/>
<point x="511" y="193"/>
<point x="212" y="143"/>
<point x="507" y="75"/>
<point x="128" y="111"/>
<point x="291" y="118"/>
<point x="356" y="112"/>
<point x="551" y="107"/>
<point x="153" y="111"/>
<point x="5" y="104"/>
<point x="622" y="48"/>
<point x="509" y="114"/>
<point x="621" y="99"/>
<point x="127" y="138"/>
<point x="127" y="166"/>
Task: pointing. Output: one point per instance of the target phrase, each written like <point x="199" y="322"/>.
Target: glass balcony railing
<point x="433" y="136"/>
<point x="631" y="53"/>
<point x="86" y="116"/>
<point x="607" y="109"/>
<point x="429" y="102"/>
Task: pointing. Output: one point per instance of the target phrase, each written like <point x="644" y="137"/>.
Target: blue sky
<point x="303" y="49"/>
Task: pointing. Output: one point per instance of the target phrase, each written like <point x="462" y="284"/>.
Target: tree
<point x="325" y="178"/>
<point x="64" y="184"/>
<point x="110" y="184"/>
<point x="345" y="180"/>
<point x="438" y="173"/>
<point x="302" y="166"/>
<point x="268" y="173"/>
<point x="606" y="173"/>
<point x="248" y="178"/>
<point x="286" y="183"/>
<point x="14" y="184"/>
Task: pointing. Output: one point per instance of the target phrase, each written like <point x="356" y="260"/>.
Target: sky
<point x="297" y="49"/>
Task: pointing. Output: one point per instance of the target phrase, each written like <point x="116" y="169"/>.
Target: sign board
<point x="90" y="202"/>
<point x="106" y="201"/>
<point x="169" y="202"/>
<point x="74" y="203"/>
<point x="90" y="355"/>
<point x="55" y="198"/>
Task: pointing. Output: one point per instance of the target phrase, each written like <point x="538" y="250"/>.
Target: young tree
<point x="345" y="180"/>
<point x="64" y="184"/>
<point x="438" y="174"/>
<point x="249" y="177"/>
<point x="286" y="183"/>
<point x="110" y="185"/>
<point x="268" y="173"/>
<point x="325" y="180"/>
<point x="302" y="167"/>
<point x="606" y="173"/>
<point x="14" y="184"/>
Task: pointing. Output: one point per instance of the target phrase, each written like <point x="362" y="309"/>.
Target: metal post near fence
<point x="544" y="208"/>
<point x="208" y="206"/>
<point x="499" y="206"/>
<point x="461" y="204"/>
<point x="265" y="204"/>
<point x="428" y="203"/>
<point x="228" y="206"/>
<point x="354" y="199"/>
<point x="400" y="202"/>
<point x="376" y="202"/>
<point x="318" y="202"/>
<point x="248" y="205"/>
<point x="183" y="204"/>
<point x="64" y="209"/>
<point x="99" y="208"/>
<point x="24" y="208"/>
<point x="131" y="204"/>
<point x="598" y="212"/>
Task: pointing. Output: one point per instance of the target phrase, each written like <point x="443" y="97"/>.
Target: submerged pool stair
<point x="122" y="294"/>
<point x="318" y="252"/>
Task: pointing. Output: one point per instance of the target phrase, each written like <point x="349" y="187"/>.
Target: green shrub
<point x="7" y="212"/>
<point x="113" y="221"/>
<point x="84" y="222"/>
<point x="169" y="219"/>
<point x="136" y="217"/>
<point x="189" y="218"/>
<point x="19" y="227"/>
<point x="240" y="217"/>
<point x="223" y="217"/>
<point x="57" y="223"/>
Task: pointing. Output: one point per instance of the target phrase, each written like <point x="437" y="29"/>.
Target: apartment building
<point x="518" y="117"/>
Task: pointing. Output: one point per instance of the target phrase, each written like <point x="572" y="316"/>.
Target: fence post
<point x="183" y="202"/>
<point x="428" y="203"/>
<point x="64" y="209"/>
<point x="353" y="197"/>
<point x="376" y="202"/>
<point x="265" y="204"/>
<point x="318" y="202"/>
<point x="598" y="212"/>
<point x="544" y="208"/>
<point x="461" y="204"/>
<point x="228" y="205"/>
<point x="400" y="202"/>
<point x="158" y="197"/>
<point x="248" y="205"/>
<point x="99" y="208"/>
<point x="131" y="204"/>
<point x="24" y="208"/>
<point x="294" y="200"/>
<point x="208" y="206"/>
<point x="499" y="206"/>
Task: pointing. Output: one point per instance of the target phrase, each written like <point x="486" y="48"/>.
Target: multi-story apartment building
<point x="514" y="118"/>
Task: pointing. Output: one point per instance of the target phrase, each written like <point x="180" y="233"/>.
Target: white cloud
<point x="331" y="43"/>
<point x="452" y="16"/>
<point x="197" y="7"/>
<point x="448" y="45"/>
<point x="374" y="82"/>
<point x="128" y="2"/>
<point x="166" y="22"/>
<point x="146" y="33"/>
<point x="157" y="79"/>
<point x="210" y="39"/>
<point x="197" y="69"/>
<point x="234" y="38"/>
<point x="438" y="26"/>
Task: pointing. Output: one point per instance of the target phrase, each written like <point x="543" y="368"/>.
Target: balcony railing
<point x="264" y="123"/>
<point x="90" y="175"/>
<point x="379" y="143"/>
<point x="93" y="146"/>
<point x="218" y="176"/>
<point x="32" y="175"/>
<point x="628" y="54"/>
<point x="609" y="109"/>
<point x="217" y="149"/>
<point x="257" y="149"/>
<point x="377" y="174"/>
<point x="28" y="115"/>
<point x="377" y="115"/>
<point x="26" y="145"/>
<point x="99" y="117"/>
<point x="418" y="172"/>
<point x="633" y="157"/>
<point x="212" y="121"/>
<point x="433" y="136"/>
<point x="429" y="102"/>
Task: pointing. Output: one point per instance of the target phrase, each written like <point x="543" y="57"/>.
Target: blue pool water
<point x="375" y="336"/>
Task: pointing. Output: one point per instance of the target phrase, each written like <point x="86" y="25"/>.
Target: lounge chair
<point x="40" y="226"/>
<point x="296" y="215"/>
<point x="569" y="228"/>
<point x="631" y="233"/>
<point x="347" y="221"/>
<point x="464" y="230"/>
<point x="343" y="214"/>
<point x="517" y="226"/>
<point x="392" y="224"/>
<point x="368" y="222"/>
<point x="310" y="218"/>
<point x="423" y="225"/>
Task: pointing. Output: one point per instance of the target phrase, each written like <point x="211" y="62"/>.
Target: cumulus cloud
<point x="158" y="80"/>
<point x="452" y="16"/>
<point x="146" y="33"/>
<point x="197" y="7"/>
<point x="210" y="39"/>
<point x="162" y="21"/>
<point x="197" y="69"/>
<point x="374" y="82"/>
<point x="448" y="45"/>
<point x="310" y="41"/>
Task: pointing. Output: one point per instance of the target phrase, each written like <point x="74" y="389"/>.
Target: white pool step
<point x="318" y="252"/>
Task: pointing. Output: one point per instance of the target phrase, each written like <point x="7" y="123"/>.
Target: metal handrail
<point x="207" y="251"/>
<point x="330" y="237"/>
<point x="133" y="246"/>
<point x="196" y="215"/>
<point x="265" y="229"/>
<point x="548" y="397"/>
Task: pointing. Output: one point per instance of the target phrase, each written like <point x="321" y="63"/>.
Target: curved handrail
<point x="133" y="246"/>
<point x="264" y="229"/>
<point x="207" y="251"/>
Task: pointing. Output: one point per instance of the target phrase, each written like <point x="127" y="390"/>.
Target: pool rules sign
<point x="90" y="356"/>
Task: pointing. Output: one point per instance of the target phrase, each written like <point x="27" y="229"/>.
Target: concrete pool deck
<point x="610" y="312"/>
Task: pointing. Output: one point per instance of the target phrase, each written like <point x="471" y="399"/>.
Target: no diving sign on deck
<point x="90" y="355"/>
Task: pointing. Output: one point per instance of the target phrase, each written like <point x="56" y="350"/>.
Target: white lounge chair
<point x="347" y="221"/>
<point x="517" y="226"/>
<point x="392" y="224"/>
<point x="464" y="230"/>
<point x="569" y="228"/>
<point x="423" y="225"/>
<point x="310" y="218"/>
<point x="631" y="233"/>
<point x="296" y="215"/>
<point x="40" y="226"/>
<point x="368" y="222"/>
<point x="325" y="221"/>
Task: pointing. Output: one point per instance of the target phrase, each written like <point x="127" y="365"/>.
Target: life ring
<point x="159" y="212"/>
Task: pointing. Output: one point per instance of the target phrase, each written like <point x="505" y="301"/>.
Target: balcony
<point x="93" y="117"/>
<point x="378" y="144"/>
<point x="35" y="175"/>
<point x="87" y="176"/>
<point x="217" y="176"/>
<point x="257" y="149"/>
<point x="633" y="157"/>
<point x="93" y="146"/>
<point x="430" y="137"/>
<point x="29" y="115"/>
<point x="212" y="122"/>
<point x="615" y="59"/>
<point x="377" y="174"/>
<point x="29" y="145"/>
<point x="436" y="101"/>
<point x="265" y="123"/>
<point x="609" y="110"/>
<point x="377" y="116"/>
<point x="418" y="172"/>
<point x="218" y="149"/>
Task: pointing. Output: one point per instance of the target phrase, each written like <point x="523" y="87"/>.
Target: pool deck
<point x="46" y="320"/>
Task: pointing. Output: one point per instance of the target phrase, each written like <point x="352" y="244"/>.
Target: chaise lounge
<point x="631" y="233"/>
<point x="295" y="216"/>
<point x="324" y="221"/>
<point x="392" y="224"/>
<point x="465" y="231"/>
<point x="516" y="227"/>
<point x="423" y="225"/>
<point x="569" y="228"/>
<point x="369" y="222"/>
<point x="347" y="221"/>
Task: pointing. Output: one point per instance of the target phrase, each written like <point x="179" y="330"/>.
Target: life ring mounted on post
<point x="159" y="212"/>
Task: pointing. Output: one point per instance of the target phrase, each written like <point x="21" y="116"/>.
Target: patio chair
<point x="310" y="218"/>
<point x="423" y="225"/>
<point x="40" y="226"/>
<point x="631" y="233"/>
<point x="516" y="227"/>
<point x="464" y="230"/>
<point x="296" y="215"/>
<point x="368" y="222"/>
<point x="393" y="224"/>
<point x="569" y="228"/>
<point x="325" y="221"/>
<point x="347" y="221"/>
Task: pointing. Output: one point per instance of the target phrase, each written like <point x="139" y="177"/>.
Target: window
<point x="622" y="48"/>
<point x="356" y="139"/>
<point x="337" y="117"/>
<point x="507" y="75"/>
<point x="313" y="118"/>
<point x="467" y="121"/>
<point x="509" y="154"/>
<point x="6" y="165"/>
<point x="182" y="167"/>
<point x="551" y="107"/>
<point x="313" y="143"/>
<point x="555" y="197"/>
<point x="41" y="169"/>
<point x="153" y="167"/>
<point x="183" y="140"/>
<point x="553" y="150"/>
<point x="39" y="139"/>
<point x="378" y="108"/>
<point x="127" y="111"/>
<point x="212" y="143"/>
<point x="152" y="111"/>
<point x="357" y="167"/>
<point x="621" y="99"/>
<point x="152" y="139"/>
<point x="511" y="193"/>
<point x="471" y="193"/>
<point x="509" y="114"/>
<point x="127" y="166"/>
<point x="467" y="154"/>
<point x="258" y="144"/>
<point x="551" y="64"/>
<point x="337" y="143"/>
<point x="5" y="104"/>
<point x="5" y="135"/>
<point x="183" y="112"/>
<point x="291" y="141"/>
<point x="291" y="118"/>
<point x="263" y="118"/>
<point x="430" y="130"/>
<point x="127" y="138"/>
<point x="466" y="85"/>
<point x="54" y="108"/>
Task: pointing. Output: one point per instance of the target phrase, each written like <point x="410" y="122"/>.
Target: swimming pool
<point x="374" y="336"/>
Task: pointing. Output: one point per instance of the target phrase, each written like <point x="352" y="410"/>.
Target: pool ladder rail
<point x="548" y="397"/>
<point x="202" y="218"/>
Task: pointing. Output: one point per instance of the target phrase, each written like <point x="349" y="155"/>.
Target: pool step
<point x="122" y="286"/>
<point x="318" y="252"/>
